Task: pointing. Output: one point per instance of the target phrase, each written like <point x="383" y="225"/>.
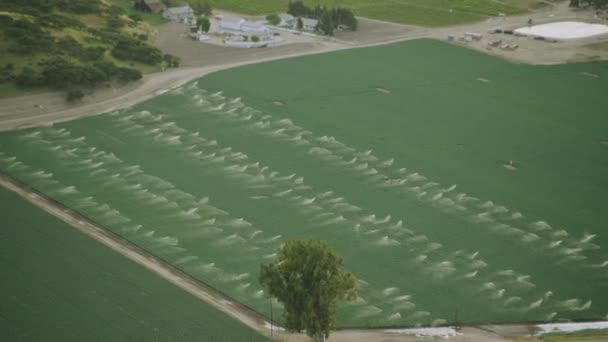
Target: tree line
<point x="595" y="3"/>
<point x="329" y="19"/>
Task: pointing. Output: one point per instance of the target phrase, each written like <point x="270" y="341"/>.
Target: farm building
<point x="254" y="26"/>
<point x="231" y="24"/>
<point x="240" y="25"/>
<point x="309" y="24"/>
<point x="179" y="14"/>
<point x="287" y="20"/>
<point x="154" y="6"/>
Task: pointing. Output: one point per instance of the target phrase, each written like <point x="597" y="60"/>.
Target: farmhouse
<point x="179" y="14"/>
<point x="154" y="6"/>
<point x="309" y="25"/>
<point x="287" y="20"/>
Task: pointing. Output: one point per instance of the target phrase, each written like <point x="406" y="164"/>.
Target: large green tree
<point x="308" y="278"/>
<point x="202" y="7"/>
<point x="203" y="23"/>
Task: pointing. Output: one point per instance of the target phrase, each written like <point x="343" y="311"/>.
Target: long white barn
<point x="241" y="25"/>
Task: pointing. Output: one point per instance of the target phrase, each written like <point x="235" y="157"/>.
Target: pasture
<point x="457" y="187"/>
<point x="417" y="12"/>
<point x="60" y="285"/>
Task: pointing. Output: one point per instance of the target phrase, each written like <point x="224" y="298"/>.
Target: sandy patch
<point x="279" y="103"/>
<point x="484" y="80"/>
<point x="384" y="91"/>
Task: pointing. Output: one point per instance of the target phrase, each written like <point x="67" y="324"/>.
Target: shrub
<point x="255" y="38"/>
<point x="74" y="95"/>
<point x="273" y="19"/>
<point x="6" y="73"/>
<point x="28" y="78"/>
<point x="136" y="51"/>
<point x="135" y="17"/>
<point x="171" y="61"/>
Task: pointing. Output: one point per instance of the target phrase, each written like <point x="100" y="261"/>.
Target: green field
<point x="418" y="12"/>
<point x="397" y="164"/>
<point x="60" y="285"/>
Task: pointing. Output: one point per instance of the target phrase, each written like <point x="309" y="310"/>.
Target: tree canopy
<point x="202" y="7"/>
<point x="595" y="3"/>
<point x="273" y="19"/>
<point x="308" y="278"/>
<point x="203" y="23"/>
<point x="329" y="18"/>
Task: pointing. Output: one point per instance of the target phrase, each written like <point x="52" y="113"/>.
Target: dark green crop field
<point x="457" y="186"/>
<point x="60" y="285"/>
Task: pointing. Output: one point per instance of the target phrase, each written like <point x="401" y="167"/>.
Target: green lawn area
<point x="60" y="285"/>
<point x="579" y="336"/>
<point x="401" y="165"/>
<point x="418" y="12"/>
<point x="150" y="18"/>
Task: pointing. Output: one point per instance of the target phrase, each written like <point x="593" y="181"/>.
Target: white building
<point x="287" y="20"/>
<point x="231" y="24"/>
<point x="254" y="27"/>
<point x="309" y="25"/>
<point x="179" y="14"/>
<point x="240" y="25"/>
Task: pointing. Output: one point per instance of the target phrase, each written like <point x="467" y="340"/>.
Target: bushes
<point x="6" y="73"/>
<point x="135" y="17"/>
<point x="74" y="95"/>
<point x="47" y="6"/>
<point x="136" y="51"/>
<point x="59" y="73"/>
<point x="66" y="61"/>
<point x="57" y="21"/>
<point x="28" y="37"/>
<point x="171" y="61"/>
<point x="71" y="47"/>
<point x="28" y="78"/>
<point x="273" y="19"/>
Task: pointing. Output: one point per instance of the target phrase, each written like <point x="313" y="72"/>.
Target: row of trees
<point x="595" y="3"/>
<point x="329" y="18"/>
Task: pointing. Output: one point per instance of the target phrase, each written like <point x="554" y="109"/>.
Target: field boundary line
<point x="197" y="288"/>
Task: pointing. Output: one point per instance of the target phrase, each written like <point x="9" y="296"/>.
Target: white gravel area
<point x="564" y="30"/>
